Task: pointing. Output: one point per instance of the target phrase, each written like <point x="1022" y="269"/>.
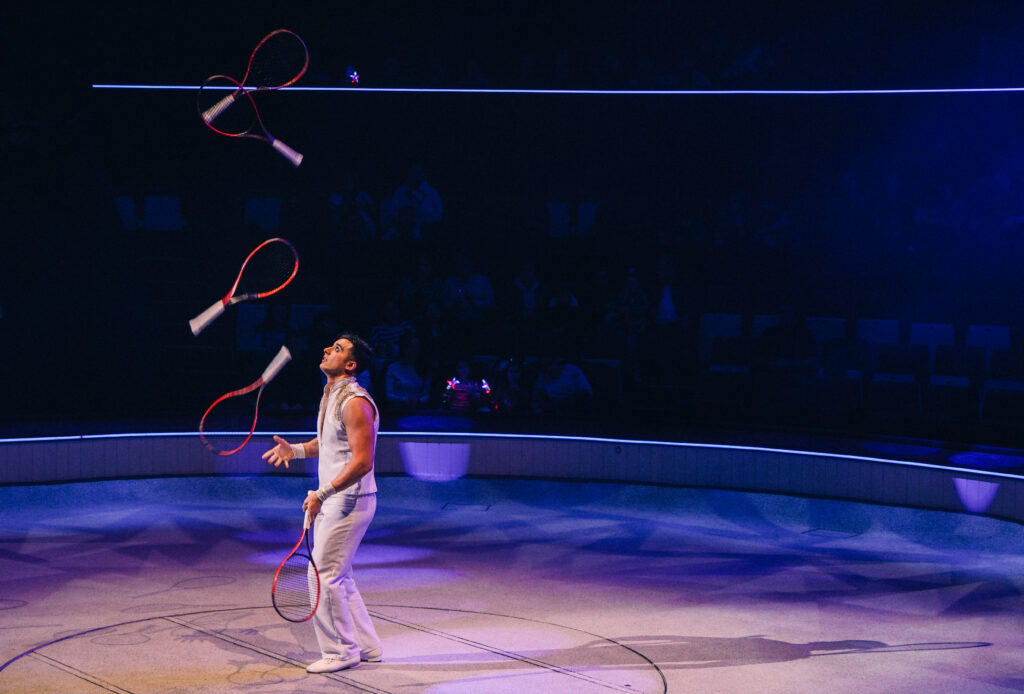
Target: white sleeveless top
<point x="333" y="439"/>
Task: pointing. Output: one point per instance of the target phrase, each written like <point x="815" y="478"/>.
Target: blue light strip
<point x="620" y="92"/>
<point x="148" y="435"/>
<point x="540" y="437"/>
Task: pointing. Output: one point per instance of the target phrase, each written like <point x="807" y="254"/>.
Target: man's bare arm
<point x="358" y="419"/>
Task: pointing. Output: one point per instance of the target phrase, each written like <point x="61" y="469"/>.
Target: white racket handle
<point x="199" y="323"/>
<point x="309" y="521"/>
<point x="210" y="114"/>
<point x="290" y="154"/>
<point x="282" y="358"/>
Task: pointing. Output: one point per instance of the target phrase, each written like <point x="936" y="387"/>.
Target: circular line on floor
<point x="142" y="620"/>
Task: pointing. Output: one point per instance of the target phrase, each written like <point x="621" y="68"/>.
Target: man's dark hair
<point x="362" y="353"/>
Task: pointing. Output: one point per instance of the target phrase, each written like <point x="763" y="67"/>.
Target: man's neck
<point x="335" y="380"/>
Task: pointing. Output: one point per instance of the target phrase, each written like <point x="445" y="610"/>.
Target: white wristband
<point x="325" y="491"/>
<point x="298" y="450"/>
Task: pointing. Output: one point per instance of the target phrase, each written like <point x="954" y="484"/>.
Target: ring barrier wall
<point x="440" y="457"/>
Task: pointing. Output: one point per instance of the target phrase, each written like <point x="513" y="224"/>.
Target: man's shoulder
<point x="354" y="392"/>
<point x="354" y="389"/>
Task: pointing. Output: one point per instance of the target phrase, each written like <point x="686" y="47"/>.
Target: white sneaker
<point x="371" y="656"/>
<point x="331" y="664"/>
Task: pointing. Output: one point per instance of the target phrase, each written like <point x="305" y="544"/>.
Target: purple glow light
<point x="435" y="462"/>
<point x="975" y="495"/>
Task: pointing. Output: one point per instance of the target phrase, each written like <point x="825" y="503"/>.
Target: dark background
<point x="94" y="323"/>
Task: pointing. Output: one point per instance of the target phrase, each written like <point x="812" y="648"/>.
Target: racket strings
<point x="295" y="594"/>
<point x="269" y="269"/>
<point x="280" y="59"/>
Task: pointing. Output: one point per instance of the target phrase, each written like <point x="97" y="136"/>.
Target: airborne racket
<point x="283" y="357"/>
<point x="279" y="59"/>
<point x="236" y="115"/>
<point x="296" y="590"/>
<point x="268" y="269"/>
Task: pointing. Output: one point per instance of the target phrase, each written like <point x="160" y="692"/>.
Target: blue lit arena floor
<point x="162" y="585"/>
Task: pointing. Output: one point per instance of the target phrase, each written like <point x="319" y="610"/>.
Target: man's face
<point x="337" y="358"/>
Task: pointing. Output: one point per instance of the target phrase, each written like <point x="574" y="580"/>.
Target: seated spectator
<point x="468" y="297"/>
<point x="351" y="210"/>
<point x="420" y="199"/>
<point x="524" y="296"/>
<point x="562" y="318"/>
<point x="403" y="227"/>
<point x="522" y="299"/>
<point x="464" y="392"/>
<point x="510" y="392"/>
<point x="404" y="386"/>
<point x="435" y="335"/>
<point x="419" y="288"/>
<point x="384" y="337"/>
<point x="560" y="387"/>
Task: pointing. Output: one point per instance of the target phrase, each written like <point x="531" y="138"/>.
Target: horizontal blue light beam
<point x="591" y="439"/>
<point x="619" y="92"/>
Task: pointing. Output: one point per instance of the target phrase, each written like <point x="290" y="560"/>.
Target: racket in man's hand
<point x="295" y="593"/>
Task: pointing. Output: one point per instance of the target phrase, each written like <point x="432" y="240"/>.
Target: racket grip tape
<point x="210" y="114"/>
<point x="199" y="323"/>
<point x="282" y="358"/>
<point x="290" y="154"/>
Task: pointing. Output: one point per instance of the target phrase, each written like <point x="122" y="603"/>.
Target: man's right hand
<point x="281" y="453"/>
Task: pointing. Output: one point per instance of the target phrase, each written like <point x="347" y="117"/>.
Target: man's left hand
<point x="311" y="504"/>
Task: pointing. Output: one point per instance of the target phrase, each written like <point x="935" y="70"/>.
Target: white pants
<point x="342" y="625"/>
